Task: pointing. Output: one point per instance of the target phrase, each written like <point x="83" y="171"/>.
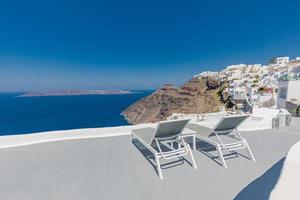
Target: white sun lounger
<point x="161" y="141"/>
<point x="227" y="126"/>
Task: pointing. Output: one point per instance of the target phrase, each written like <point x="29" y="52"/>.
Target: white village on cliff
<point x="275" y="85"/>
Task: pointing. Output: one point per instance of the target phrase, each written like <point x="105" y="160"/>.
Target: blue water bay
<point x="20" y="115"/>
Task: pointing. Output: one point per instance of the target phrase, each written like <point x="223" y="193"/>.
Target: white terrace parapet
<point x="261" y="118"/>
<point x="287" y="186"/>
<point x="7" y="141"/>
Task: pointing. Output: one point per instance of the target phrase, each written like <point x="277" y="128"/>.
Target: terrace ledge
<point x="287" y="186"/>
<point x="7" y="141"/>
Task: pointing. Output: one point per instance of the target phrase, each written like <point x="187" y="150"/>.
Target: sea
<point x="22" y="115"/>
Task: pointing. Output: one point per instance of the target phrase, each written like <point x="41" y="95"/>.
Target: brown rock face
<point x="196" y="96"/>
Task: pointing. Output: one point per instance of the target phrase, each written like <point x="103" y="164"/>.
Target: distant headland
<point x="74" y="92"/>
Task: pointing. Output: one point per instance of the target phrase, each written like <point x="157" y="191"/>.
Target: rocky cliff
<point x="196" y="96"/>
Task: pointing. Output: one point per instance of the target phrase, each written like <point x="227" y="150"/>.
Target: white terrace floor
<point x="114" y="168"/>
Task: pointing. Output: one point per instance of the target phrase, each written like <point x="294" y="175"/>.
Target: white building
<point x="293" y="64"/>
<point x="280" y="60"/>
<point x="234" y="74"/>
<point x="279" y="74"/>
<point x="238" y="66"/>
<point x="238" y="93"/>
<point x="206" y="74"/>
<point x="265" y="72"/>
<point x="254" y="67"/>
<point x="288" y="88"/>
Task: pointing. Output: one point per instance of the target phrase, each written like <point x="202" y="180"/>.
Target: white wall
<point x="292" y="91"/>
<point x="264" y="98"/>
<point x="287" y="186"/>
<point x="281" y="101"/>
<point x="282" y="60"/>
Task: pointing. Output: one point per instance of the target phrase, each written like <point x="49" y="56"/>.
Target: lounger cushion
<point x="225" y="125"/>
<point x="164" y="130"/>
<point x="146" y="134"/>
<point x="168" y="129"/>
<point x="230" y="122"/>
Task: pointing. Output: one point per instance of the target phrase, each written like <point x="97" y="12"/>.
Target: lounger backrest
<point x="230" y="122"/>
<point x="169" y="129"/>
<point x="146" y="134"/>
<point x="201" y="130"/>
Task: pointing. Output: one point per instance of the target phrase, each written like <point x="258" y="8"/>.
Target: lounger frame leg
<point x="192" y="156"/>
<point x="247" y="145"/>
<point x="158" y="167"/>
<point x="194" y="142"/>
<point x="218" y="148"/>
<point x="250" y="152"/>
<point x="221" y="156"/>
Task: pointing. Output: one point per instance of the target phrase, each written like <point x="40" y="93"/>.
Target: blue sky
<point x="138" y="44"/>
